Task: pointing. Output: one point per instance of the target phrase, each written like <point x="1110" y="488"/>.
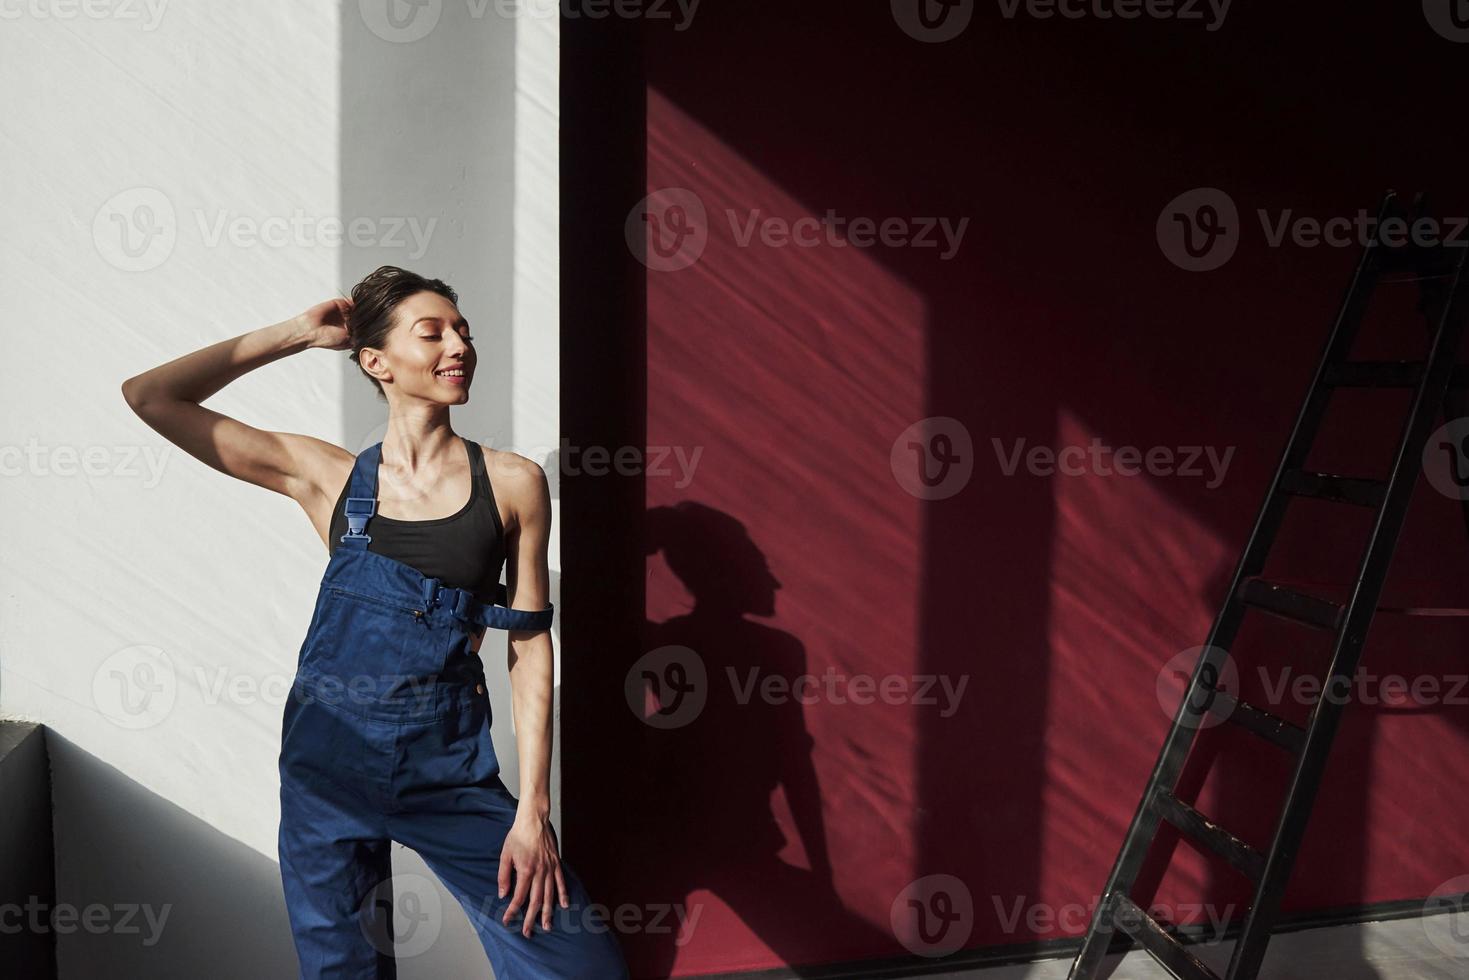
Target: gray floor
<point x="1431" y="948"/>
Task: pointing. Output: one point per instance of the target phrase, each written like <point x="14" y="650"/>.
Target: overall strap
<point x="477" y="470"/>
<point x="494" y="614"/>
<point x="361" y="502"/>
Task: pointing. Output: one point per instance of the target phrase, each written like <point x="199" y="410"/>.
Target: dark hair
<point x="374" y="301"/>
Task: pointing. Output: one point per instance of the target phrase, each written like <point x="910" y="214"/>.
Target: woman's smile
<point x="453" y="376"/>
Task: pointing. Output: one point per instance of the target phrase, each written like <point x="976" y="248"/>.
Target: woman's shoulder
<point x="512" y="467"/>
<point x="516" y="480"/>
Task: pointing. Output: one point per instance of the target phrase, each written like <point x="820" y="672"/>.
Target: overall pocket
<point x="374" y="600"/>
<point x="359" y="635"/>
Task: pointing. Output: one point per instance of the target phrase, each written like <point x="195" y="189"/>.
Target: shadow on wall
<point x="167" y="890"/>
<point x="1062" y="597"/>
<point x="427" y="143"/>
<point x="724" y="837"/>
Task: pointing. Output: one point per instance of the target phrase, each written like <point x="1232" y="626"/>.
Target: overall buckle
<point x="461" y="602"/>
<point x="358" y="510"/>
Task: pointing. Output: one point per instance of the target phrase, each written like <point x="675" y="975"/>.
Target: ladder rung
<point x="1284" y="734"/>
<point x="1241" y="856"/>
<point x="1324" y="486"/>
<point x="1386" y="374"/>
<point x="1295" y="606"/>
<point x="1156" y="940"/>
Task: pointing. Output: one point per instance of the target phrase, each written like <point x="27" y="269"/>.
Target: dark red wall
<point x="792" y="830"/>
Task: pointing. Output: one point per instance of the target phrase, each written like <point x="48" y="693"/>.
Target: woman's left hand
<point x="530" y="850"/>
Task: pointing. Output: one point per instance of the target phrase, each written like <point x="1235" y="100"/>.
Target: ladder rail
<point x="1181" y="734"/>
<point x="1428" y="398"/>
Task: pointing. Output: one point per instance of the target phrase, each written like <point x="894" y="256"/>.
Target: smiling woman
<point x="386" y="735"/>
<point x="428" y="309"/>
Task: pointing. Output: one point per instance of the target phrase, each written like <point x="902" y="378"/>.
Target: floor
<point x="1431" y="948"/>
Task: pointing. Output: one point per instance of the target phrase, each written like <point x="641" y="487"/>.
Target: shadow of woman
<point x="725" y="729"/>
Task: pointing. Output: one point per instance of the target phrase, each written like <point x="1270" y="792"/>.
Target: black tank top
<point x="465" y="550"/>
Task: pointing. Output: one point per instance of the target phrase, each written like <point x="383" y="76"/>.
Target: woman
<point x="386" y="733"/>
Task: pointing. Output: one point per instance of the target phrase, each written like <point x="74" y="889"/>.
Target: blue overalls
<point x="386" y="736"/>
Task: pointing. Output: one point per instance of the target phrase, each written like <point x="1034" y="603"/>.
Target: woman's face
<point x="429" y="353"/>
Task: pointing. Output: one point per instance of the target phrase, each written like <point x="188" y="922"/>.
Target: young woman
<point x="386" y="734"/>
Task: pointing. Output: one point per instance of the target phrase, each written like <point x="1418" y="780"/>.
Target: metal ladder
<point x="1441" y="271"/>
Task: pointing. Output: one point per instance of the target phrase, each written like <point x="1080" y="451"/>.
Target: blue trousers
<point x="386" y="737"/>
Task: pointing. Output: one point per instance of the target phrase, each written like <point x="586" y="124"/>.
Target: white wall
<point x="168" y="169"/>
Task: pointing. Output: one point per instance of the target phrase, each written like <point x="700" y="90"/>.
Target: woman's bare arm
<point x="528" y="586"/>
<point x="168" y="398"/>
<point x="530" y="848"/>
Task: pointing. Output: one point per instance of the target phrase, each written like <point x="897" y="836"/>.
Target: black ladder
<point x="1441" y="270"/>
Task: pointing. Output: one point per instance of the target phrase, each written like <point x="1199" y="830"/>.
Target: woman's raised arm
<point x="168" y="398"/>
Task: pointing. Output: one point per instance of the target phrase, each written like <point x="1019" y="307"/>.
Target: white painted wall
<point x="173" y="172"/>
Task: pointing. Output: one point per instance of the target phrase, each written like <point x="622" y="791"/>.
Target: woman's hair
<point x="375" y="299"/>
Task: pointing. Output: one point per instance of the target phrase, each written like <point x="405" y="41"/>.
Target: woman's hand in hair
<point x="325" y="324"/>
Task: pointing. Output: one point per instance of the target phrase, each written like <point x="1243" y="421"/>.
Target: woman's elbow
<point x="138" y="393"/>
<point x="132" y="393"/>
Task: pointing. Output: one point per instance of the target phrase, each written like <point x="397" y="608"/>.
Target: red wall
<point x="791" y="830"/>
